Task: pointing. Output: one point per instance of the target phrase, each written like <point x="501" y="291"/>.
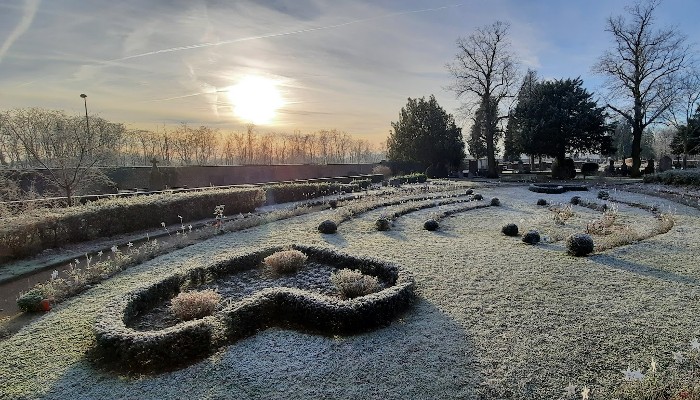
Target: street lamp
<point x="87" y="121"/>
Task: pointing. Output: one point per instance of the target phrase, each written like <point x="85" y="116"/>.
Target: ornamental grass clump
<point x="353" y="283"/>
<point x="532" y="237"/>
<point x="327" y="227"/>
<point x="431" y="225"/>
<point x="510" y="230"/>
<point x="196" y="304"/>
<point x="579" y="244"/>
<point x="286" y="261"/>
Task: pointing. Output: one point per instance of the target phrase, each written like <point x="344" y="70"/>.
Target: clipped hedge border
<point x="29" y="235"/>
<point x="139" y="350"/>
<point x="553" y="188"/>
<point x="288" y="192"/>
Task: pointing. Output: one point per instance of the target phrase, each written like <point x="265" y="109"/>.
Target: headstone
<point x="665" y="163"/>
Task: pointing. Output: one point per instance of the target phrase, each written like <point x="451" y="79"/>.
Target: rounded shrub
<point x="603" y="195"/>
<point x="333" y="203"/>
<point x="328" y="227"/>
<point x="510" y="230"/>
<point x="478" y="196"/>
<point x="30" y="301"/>
<point x="541" y="202"/>
<point x="532" y="237"/>
<point x="285" y="261"/>
<point x="495" y="201"/>
<point x="579" y="244"/>
<point x="431" y="225"/>
<point x="469" y="191"/>
<point x="382" y="224"/>
<point x="575" y="200"/>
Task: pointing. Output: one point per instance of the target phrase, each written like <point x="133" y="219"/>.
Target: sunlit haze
<point x="285" y="66"/>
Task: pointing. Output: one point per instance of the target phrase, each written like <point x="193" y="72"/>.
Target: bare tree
<point x="642" y="69"/>
<point x="684" y="111"/>
<point x="485" y="72"/>
<point x="61" y="148"/>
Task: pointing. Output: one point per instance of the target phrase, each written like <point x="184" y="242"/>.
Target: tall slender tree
<point x="485" y="72"/>
<point x="643" y="69"/>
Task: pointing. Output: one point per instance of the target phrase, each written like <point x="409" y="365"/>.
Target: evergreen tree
<point x="425" y="134"/>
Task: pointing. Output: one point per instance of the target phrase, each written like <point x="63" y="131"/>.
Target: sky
<point x="337" y="64"/>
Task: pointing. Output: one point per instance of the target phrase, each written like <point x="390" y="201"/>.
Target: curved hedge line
<point x="280" y="305"/>
<point x="287" y="192"/>
<point x="553" y="188"/>
<point x="30" y="234"/>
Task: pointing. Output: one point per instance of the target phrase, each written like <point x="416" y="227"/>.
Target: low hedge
<point x="287" y="192"/>
<point x="417" y="177"/>
<point x="137" y="350"/>
<point x="675" y="177"/>
<point x="29" y="234"/>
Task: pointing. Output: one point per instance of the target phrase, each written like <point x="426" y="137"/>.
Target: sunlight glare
<point x="255" y="99"/>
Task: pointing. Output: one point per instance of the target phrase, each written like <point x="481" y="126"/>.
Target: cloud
<point x="31" y="6"/>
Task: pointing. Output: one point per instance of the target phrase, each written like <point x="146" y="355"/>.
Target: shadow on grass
<point x="422" y="353"/>
<point x="640" y="269"/>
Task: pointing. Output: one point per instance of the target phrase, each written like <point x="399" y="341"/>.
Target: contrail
<point x="272" y="35"/>
<point x="30" y="7"/>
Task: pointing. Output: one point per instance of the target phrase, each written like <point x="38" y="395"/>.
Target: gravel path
<point x="495" y="318"/>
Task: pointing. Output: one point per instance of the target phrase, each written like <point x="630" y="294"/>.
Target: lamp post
<point x="87" y="121"/>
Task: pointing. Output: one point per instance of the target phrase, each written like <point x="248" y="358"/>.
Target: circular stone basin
<point x="554" y="188"/>
<point x="253" y="300"/>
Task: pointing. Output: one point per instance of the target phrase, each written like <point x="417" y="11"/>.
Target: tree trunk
<point x="636" y="151"/>
<point x="69" y="196"/>
<point x="490" y="145"/>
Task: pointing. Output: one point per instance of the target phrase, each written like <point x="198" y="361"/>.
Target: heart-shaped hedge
<point x="137" y="350"/>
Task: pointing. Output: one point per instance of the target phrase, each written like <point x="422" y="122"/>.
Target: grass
<point x="495" y="318"/>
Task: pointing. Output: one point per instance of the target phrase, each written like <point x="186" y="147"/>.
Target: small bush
<point x="567" y="170"/>
<point x="541" y="202"/>
<point x="495" y="202"/>
<point x="362" y="183"/>
<point x="478" y="197"/>
<point x="431" y="225"/>
<point x="603" y="195"/>
<point x="575" y="200"/>
<point x="579" y="244"/>
<point x="352" y="283"/>
<point x="327" y="227"/>
<point x="469" y="192"/>
<point x="382" y="169"/>
<point x="196" y="304"/>
<point x="30" y="301"/>
<point x="510" y="230"/>
<point x="285" y="261"/>
<point x="382" y="224"/>
<point x="333" y="203"/>
<point x="532" y="237"/>
<point x="675" y="177"/>
<point x="589" y="168"/>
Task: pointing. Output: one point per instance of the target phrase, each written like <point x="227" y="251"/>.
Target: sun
<point x="255" y="99"/>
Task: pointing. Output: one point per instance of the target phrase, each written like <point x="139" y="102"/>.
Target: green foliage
<point x="288" y="192"/>
<point x="431" y="225"/>
<point x="589" y="168"/>
<point x="579" y="244"/>
<point x="559" y="117"/>
<point x="328" y="227"/>
<point x="416" y="177"/>
<point x="478" y="197"/>
<point x="541" y="202"/>
<point x="510" y="230"/>
<point x="622" y="141"/>
<point x="30" y="301"/>
<point x="675" y="177"/>
<point x="495" y="201"/>
<point x="31" y="233"/>
<point x="477" y="137"/>
<point x="362" y="183"/>
<point x="532" y="237"/>
<point x="563" y="169"/>
<point x="425" y="133"/>
<point x="518" y="132"/>
<point x="687" y="138"/>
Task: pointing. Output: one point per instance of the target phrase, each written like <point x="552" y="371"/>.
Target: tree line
<point x="652" y="79"/>
<point x="40" y="138"/>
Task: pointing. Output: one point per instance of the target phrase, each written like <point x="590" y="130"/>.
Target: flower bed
<point x="174" y="345"/>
